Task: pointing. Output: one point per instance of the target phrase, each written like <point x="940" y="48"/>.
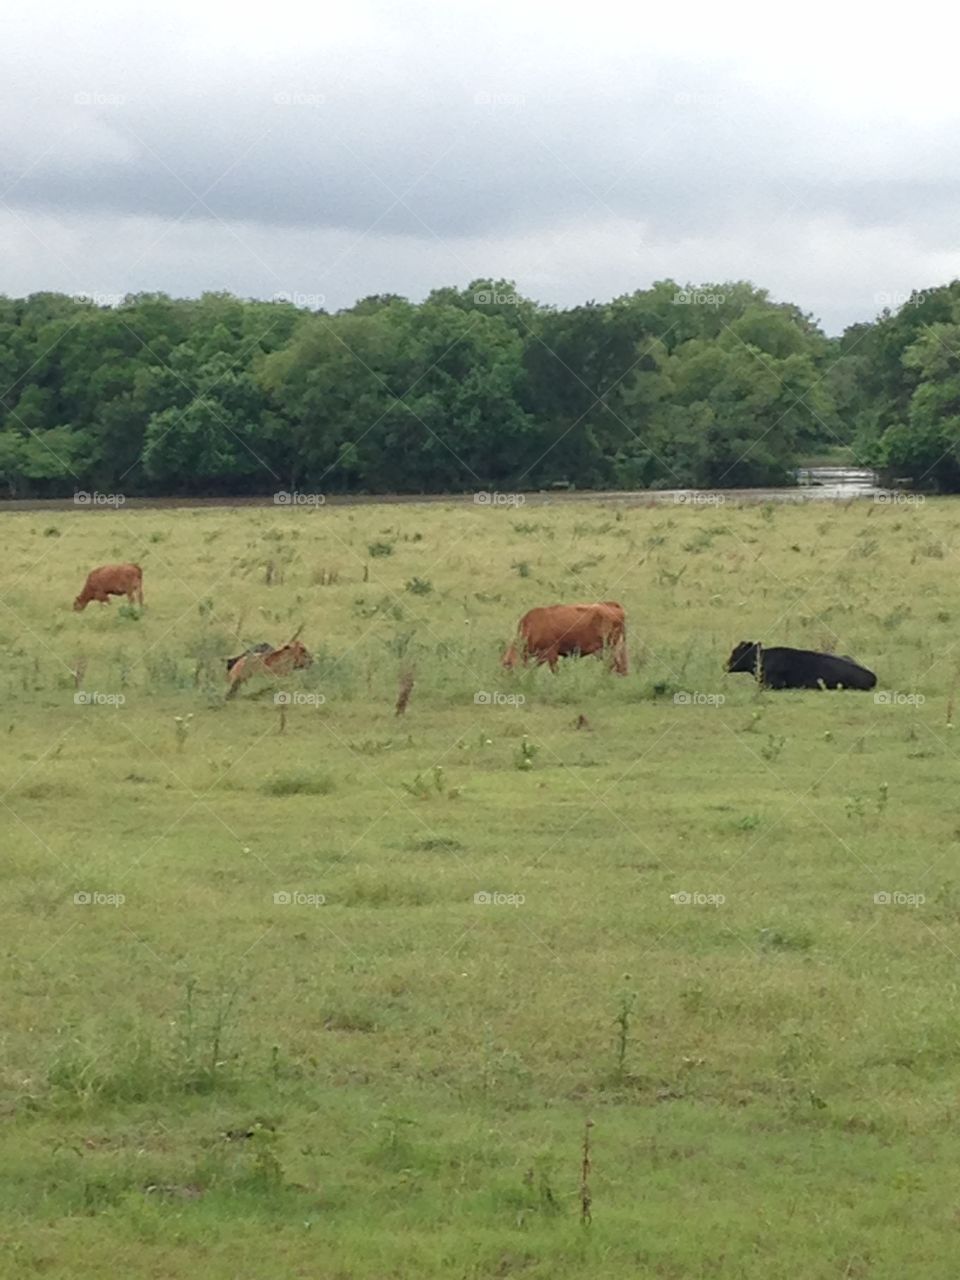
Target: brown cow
<point x="558" y="630"/>
<point x="111" y="580"/>
<point x="262" y="660"/>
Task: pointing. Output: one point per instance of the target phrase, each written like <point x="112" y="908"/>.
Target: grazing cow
<point x="263" y="660"/>
<point x="111" y="580"/>
<point x="799" y="668"/>
<point x="559" y="630"/>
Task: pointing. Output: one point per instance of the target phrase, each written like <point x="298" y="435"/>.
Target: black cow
<point x="257" y="648"/>
<point x="799" y="668"/>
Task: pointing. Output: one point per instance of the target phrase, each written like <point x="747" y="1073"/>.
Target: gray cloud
<point x="155" y="155"/>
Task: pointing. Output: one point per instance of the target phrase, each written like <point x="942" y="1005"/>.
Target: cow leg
<point x="236" y="676"/>
<point x="552" y="656"/>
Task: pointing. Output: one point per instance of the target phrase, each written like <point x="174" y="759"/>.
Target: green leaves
<point x="473" y="389"/>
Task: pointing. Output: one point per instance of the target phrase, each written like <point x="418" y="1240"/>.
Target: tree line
<point x="475" y="388"/>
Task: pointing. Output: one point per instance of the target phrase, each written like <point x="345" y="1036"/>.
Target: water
<point x="840" y="482"/>
<point x="813" y="484"/>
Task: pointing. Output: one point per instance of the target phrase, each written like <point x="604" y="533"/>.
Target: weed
<point x="434" y="783"/>
<point x="268" y="1172"/>
<point x="854" y="806"/>
<point x="622" y="1020"/>
<point x="404" y="692"/>
<point x="181" y="730"/>
<point x="782" y="940"/>
<point x="525" y="753"/>
<point x="298" y="783"/>
<point x="586" y="1198"/>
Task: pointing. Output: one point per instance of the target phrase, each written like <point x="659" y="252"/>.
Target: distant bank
<point x="814" y="484"/>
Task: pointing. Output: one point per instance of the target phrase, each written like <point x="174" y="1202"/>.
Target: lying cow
<point x="799" y="668"/>
<point x="561" y="630"/>
<point x="256" y="648"/>
<point x="111" y="580"/>
<point x="262" y="659"/>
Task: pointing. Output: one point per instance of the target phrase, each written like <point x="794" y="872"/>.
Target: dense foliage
<point x="906" y="405"/>
<point x="470" y="389"/>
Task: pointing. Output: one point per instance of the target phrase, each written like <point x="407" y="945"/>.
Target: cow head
<point x="298" y="654"/>
<point x="510" y="658"/>
<point x="80" y="603"/>
<point x="744" y="657"/>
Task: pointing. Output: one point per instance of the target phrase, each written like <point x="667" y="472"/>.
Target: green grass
<point x="284" y="1039"/>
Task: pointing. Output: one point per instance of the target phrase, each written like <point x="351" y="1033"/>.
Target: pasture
<point x="258" y="1023"/>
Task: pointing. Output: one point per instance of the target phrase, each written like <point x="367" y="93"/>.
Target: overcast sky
<point x="332" y="151"/>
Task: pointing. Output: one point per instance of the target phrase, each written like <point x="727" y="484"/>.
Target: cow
<point x="111" y="580"/>
<point x="256" y="648"/>
<point x="799" y="668"/>
<point x="265" y="660"/>
<point x="560" y="630"/>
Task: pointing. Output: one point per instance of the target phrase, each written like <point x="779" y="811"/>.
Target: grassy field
<point x="277" y="1036"/>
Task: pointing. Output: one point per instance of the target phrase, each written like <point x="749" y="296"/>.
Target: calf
<point x="799" y="668"/>
<point x="111" y="580"/>
<point x="262" y="660"/>
<point x="255" y="648"/>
